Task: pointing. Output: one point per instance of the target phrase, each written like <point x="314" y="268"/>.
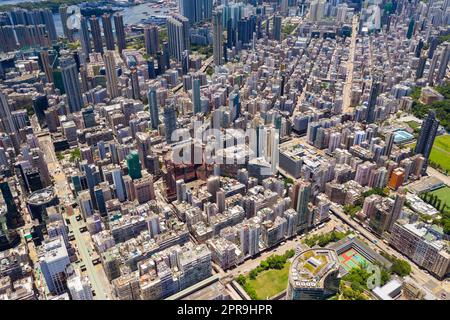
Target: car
<point x="78" y="217"/>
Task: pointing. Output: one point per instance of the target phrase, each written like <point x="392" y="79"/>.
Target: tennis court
<point x="352" y="259"/>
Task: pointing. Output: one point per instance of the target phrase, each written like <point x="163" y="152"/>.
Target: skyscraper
<point x="84" y="37"/>
<point x="111" y="75"/>
<point x="96" y="34"/>
<point x="196" y="10"/>
<point x="119" y="184"/>
<point x="284" y="7"/>
<point x="71" y="83"/>
<point x="374" y="91"/>
<point x="151" y="39"/>
<point x="400" y="199"/>
<point x="68" y="33"/>
<point x="53" y="262"/>
<point x="217" y="38"/>
<point x="178" y="35"/>
<point x="13" y="216"/>
<point x="107" y="31"/>
<point x="389" y="143"/>
<point x="301" y="192"/>
<point x="47" y="19"/>
<point x="153" y="107"/>
<point x="170" y="121"/>
<point x="120" y="31"/>
<point x="185" y="62"/>
<point x="45" y="60"/>
<point x="421" y="67"/>
<point x="410" y="31"/>
<point x="426" y="137"/>
<point x="196" y="95"/>
<point x="79" y="287"/>
<point x="277" y="28"/>
<point x="134" y="165"/>
<point x="443" y="63"/>
<point x="135" y="89"/>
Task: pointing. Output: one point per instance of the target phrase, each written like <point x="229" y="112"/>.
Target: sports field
<point x="443" y="194"/>
<point x="440" y="153"/>
<point x="352" y="259"/>
<point x="270" y="282"/>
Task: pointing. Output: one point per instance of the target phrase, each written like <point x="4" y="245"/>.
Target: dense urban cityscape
<point x="225" y="150"/>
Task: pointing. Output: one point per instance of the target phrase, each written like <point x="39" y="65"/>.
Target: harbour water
<point x="131" y="15"/>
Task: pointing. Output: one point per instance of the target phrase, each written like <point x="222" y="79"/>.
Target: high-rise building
<point x="178" y="35"/>
<point x="143" y="189"/>
<point x="84" y="37"/>
<point x="170" y="121"/>
<point x="442" y="70"/>
<point x="196" y="95"/>
<point x="46" y="16"/>
<point x="120" y="31"/>
<point x="40" y="104"/>
<point x="374" y="91"/>
<point x="134" y="165"/>
<point x="301" y="192"/>
<point x="153" y="107"/>
<point x="410" y="31"/>
<point x="68" y="33"/>
<point x="217" y="38"/>
<point x="426" y="137"/>
<point x="119" y="184"/>
<point x="71" y="83"/>
<point x="284" y="7"/>
<point x="46" y="65"/>
<point x="151" y="39"/>
<point x="107" y="31"/>
<point x="316" y="10"/>
<point x="54" y="262"/>
<point x="421" y="67"/>
<point x="389" y="143"/>
<point x="397" y="178"/>
<point x="96" y="34"/>
<point x="135" y="89"/>
<point x="13" y="217"/>
<point x="196" y="10"/>
<point x="111" y="75"/>
<point x="277" y="27"/>
<point x="79" y="287"/>
<point x="7" y="123"/>
<point x="400" y="199"/>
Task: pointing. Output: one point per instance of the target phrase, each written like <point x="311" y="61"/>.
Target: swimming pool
<point x="401" y="136"/>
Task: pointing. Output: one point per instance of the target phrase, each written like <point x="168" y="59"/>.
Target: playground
<point x="352" y="259"/>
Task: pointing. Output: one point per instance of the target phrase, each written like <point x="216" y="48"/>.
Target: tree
<point x="241" y="280"/>
<point x="401" y="267"/>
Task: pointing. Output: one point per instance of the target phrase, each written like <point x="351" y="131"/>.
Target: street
<point x="96" y="274"/>
<point x="347" y="91"/>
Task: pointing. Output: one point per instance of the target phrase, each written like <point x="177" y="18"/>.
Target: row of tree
<point x="434" y="200"/>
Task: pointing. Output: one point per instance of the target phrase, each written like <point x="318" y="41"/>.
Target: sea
<point x="131" y="15"/>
